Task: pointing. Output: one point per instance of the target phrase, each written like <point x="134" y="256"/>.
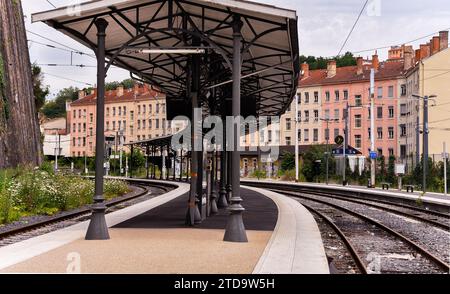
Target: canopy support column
<point x="235" y="230"/>
<point x="147" y="163"/>
<point x="222" y="202"/>
<point x="98" y="229"/>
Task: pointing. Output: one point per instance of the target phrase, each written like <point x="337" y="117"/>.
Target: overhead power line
<point x="65" y="65"/>
<point x="68" y="79"/>
<point x="353" y="27"/>
<point x="48" y="1"/>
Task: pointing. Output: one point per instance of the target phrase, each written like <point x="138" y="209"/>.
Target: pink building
<point x="350" y="86"/>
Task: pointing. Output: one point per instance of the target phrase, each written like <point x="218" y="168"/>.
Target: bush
<point x="38" y="192"/>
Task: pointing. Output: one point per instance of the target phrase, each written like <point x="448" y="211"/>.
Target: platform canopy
<point x="270" y="69"/>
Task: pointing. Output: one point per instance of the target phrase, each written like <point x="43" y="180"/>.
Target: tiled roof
<point x="112" y="97"/>
<point x="348" y="74"/>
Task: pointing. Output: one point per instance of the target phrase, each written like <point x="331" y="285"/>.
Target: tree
<point x="287" y="161"/>
<point x="40" y="91"/>
<point x="19" y="129"/>
<point x="311" y="167"/>
<point x="390" y="176"/>
<point x="128" y="83"/>
<point x="57" y="107"/>
<point x="321" y="63"/>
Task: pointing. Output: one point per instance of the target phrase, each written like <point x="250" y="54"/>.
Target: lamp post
<point x="328" y="120"/>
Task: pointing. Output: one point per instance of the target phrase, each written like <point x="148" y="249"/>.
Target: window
<point x="403" y="90"/>
<point x="299" y="98"/>
<point x="79" y="113"/>
<point x="288" y="141"/>
<point x="84" y="141"/>
<point x="269" y="135"/>
<point x="370" y="112"/>
<point x="316" y="115"/>
<point x="299" y="136"/>
<point x="91" y="117"/>
<point x="336" y="114"/>
<point x="306" y="97"/>
<point x="120" y="110"/>
<point x="262" y="138"/>
<point x="132" y="115"/>
<point x="299" y="116"/>
<point x="84" y="113"/>
<point x="157" y="123"/>
<point x="107" y="111"/>
<point x="403" y="130"/>
<point x="139" y="109"/>
<point x="391" y="111"/>
<point x="150" y="108"/>
<point x="336" y="94"/>
<point x="91" y="132"/>
<point x="74" y="142"/>
<point x="74" y="128"/>
<point x="306" y="136"/>
<point x="107" y="126"/>
<point x="380" y="152"/>
<point x="391" y="152"/>
<point x="144" y="109"/>
<point x="358" y="119"/>
<point x="120" y="125"/>
<point x="391" y="92"/>
<point x="380" y="133"/>
<point x="327" y="114"/>
<point x="402" y="151"/>
<point x="358" y="142"/>
<point x="144" y="122"/>
<point x="163" y="123"/>
<point x="370" y="133"/>
<point x="139" y="138"/>
<point x="163" y="108"/>
<point x="380" y="112"/>
<point x="79" y="127"/>
<point x="157" y="108"/>
<point x="84" y="127"/>
<point x="74" y="114"/>
<point x="358" y="100"/>
<point x="391" y="133"/>
<point x="79" y="142"/>
<point x="139" y="124"/>
<point x="345" y="94"/>
<point x="288" y="124"/>
<point x="403" y="110"/>
<point x="124" y="126"/>
<point x="114" y="126"/>
<point x="316" y="135"/>
<point x="316" y="97"/>
<point x="327" y="96"/>
<point x="380" y="92"/>
<point x="150" y="125"/>
<point x="114" y="111"/>
<point x="307" y="116"/>
<point x="327" y="134"/>
<point x="336" y="133"/>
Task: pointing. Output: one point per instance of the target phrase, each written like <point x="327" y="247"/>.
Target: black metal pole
<point x="98" y="229"/>
<point x="131" y="161"/>
<point x="161" y="148"/>
<point x="214" y="196"/>
<point x="235" y="230"/>
<point x="181" y="164"/>
<point x="222" y="202"/>
<point x="147" y="162"/>
<point x="426" y="131"/>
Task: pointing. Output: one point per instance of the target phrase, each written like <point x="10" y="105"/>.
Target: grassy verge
<point x="26" y="192"/>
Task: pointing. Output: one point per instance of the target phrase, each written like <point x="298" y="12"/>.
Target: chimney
<point x="408" y="57"/>
<point x="305" y="70"/>
<point x="424" y="51"/>
<point x="136" y="88"/>
<point x="81" y="94"/>
<point x="120" y="91"/>
<point x="435" y="45"/>
<point x="360" y="65"/>
<point x="443" y="36"/>
<point x="375" y="62"/>
<point x="418" y="55"/>
<point x="331" y="69"/>
<point x="94" y="91"/>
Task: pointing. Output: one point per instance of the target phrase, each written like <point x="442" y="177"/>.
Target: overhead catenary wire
<point x="68" y="79"/>
<point x="353" y="27"/>
<point x="48" y="1"/>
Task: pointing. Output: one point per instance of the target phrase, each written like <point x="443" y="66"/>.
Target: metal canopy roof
<point x="270" y="52"/>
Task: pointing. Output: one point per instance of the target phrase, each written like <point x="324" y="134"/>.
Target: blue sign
<point x="373" y="155"/>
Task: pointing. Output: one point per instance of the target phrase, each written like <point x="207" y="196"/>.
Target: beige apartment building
<point x="136" y="114"/>
<point x="429" y="76"/>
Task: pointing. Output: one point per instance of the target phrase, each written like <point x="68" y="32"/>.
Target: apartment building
<point x="135" y="114"/>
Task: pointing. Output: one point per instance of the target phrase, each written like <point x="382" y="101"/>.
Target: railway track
<point x="396" y="252"/>
<point x="62" y="220"/>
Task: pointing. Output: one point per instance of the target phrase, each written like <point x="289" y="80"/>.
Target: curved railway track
<point x="82" y="212"/>
<point x="331" y="217"/>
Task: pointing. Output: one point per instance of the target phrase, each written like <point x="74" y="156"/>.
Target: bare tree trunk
<point x="19" y="130"/>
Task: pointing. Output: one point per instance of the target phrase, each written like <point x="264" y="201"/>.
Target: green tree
<point x="390" y="176"/>
<point x="57" y="107"/>
<point x="40" y="91"/>
<point x="321" y="63"/>
<point x="287" y="161"/>
<point x="128" y="83"/>
<point x="312" y="168"/>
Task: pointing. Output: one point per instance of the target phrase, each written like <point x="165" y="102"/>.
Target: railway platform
<point x="151" y="238"/>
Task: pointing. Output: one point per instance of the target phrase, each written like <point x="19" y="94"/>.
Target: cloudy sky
<point x="323" y="27"/>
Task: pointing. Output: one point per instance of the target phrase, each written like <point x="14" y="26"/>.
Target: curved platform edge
<point x="22" y="251"/>
<point x="296" y="245"/>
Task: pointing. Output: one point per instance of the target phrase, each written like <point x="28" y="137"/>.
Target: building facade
<point x="130" y="116"/>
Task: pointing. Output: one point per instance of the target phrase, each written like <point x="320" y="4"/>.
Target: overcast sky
<point x="323" y="27"/>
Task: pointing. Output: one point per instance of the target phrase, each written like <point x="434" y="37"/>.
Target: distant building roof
<point x="348" y="74"/>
